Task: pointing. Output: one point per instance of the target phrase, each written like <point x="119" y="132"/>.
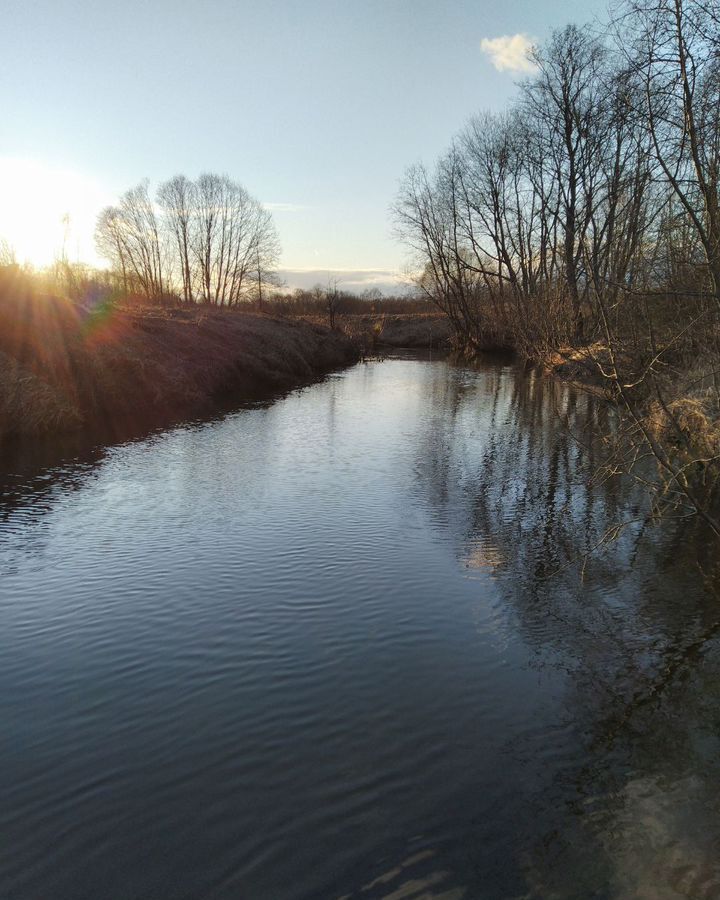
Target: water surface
<point x="352" y="644"/>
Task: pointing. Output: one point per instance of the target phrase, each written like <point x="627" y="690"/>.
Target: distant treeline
<point x="587" y="214"/>
<point x="204" y="241"/>
<point x="90" y="286"/>
<point x="331" y="301"/>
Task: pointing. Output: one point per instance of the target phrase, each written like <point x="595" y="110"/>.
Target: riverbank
<point x="581" y="367"/>
<point x="411" y="331"/>
<point x="64" y="367"/>
<point x="666" y="397"/>
<point x="373" y="332"/>
<point x="677" y="409"/>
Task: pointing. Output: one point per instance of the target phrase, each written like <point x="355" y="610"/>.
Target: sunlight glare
<point x="43" y="209"/>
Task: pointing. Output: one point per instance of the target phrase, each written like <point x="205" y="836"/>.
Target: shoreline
<point x="65" y="369"/>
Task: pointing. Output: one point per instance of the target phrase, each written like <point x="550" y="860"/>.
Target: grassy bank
<point x="409" y="330"/>
<point x="64" y="367"/>
<point x="419" y="330"/>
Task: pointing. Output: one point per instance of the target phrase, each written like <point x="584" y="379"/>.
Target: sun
<point x="45" y="211"/>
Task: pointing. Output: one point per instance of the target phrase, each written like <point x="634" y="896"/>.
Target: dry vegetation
<point x="374" y="332"/>
<point x="581" y="227"/>
<point x="372" y="320"/>
<point x="65" y="365"/>
<point x="409" y="330"/>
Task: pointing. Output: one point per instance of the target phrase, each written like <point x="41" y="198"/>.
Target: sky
<point x="316" y="106"/>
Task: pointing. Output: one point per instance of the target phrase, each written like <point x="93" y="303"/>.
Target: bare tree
<point x="176" y="198"/>
<point x="210" y="239"/>
<point x="332" y="299"/>
<point x="676" y="57"/>
<point x="110" y="242"/>
<point x="267" y="251"/>
<point x="585" y="221"/>
<point x="130" y="232"/>
<point x="565" y="101"/>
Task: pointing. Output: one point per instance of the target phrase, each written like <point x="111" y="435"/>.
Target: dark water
<point x="345" y="645"/>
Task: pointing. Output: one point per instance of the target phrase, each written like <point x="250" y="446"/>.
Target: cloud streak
<point x="284" y="207"/>
<point x="509" y="53"/>
<point x="388" y="281"/>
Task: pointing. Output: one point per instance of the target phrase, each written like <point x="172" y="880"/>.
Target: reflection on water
<point x="357" y="643"/>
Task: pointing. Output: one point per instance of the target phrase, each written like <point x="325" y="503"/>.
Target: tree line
<point x="587" y="214"/>
<point x="332" y="300"/>
<point x="599" y="182"/>
<point x="204" y="241"/>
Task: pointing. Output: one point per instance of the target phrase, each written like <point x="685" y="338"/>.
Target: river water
<point x="356" y="642"/>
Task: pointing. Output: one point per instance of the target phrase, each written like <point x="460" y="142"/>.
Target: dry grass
<point x="31" y="402"/>
<point x="587" y="366"/>
<point x="63" y="366"/>
<point x="670" y="411"/>
<point x="692" y="422"/>
<point x="408" y="330"/>
<point x="420" y="330"/>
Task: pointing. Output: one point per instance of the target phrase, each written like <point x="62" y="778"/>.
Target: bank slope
<point x="64" y="367"/>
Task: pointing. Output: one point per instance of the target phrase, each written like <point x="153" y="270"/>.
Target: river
<point x="358" y="642"/>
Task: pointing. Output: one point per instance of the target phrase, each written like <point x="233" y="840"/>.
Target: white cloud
<point x="284" y="207"/>
<point x="509" y="53"/>
<point x="388" y="281"/>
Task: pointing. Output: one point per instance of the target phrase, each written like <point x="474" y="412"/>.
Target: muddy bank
<point x="65" y="368"/>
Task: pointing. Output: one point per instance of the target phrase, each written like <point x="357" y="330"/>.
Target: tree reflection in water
<point x="454" y="771"/>
<point x="513" y="468"/>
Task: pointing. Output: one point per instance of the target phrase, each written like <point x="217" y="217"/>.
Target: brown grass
<point x="419" y="330"/>
<point x="692" y="421"/>
<point x="586" y="367"/>
<point x="414" y="330"/>
<point x="63" y="366"/>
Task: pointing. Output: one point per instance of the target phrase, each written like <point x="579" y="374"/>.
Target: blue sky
<point x="316" y="107"/>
